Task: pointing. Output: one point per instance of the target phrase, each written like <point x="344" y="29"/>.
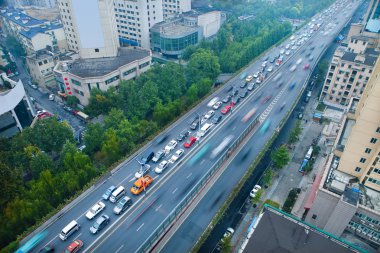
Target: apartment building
<point x="3" y="57"/>
<point x="40" y="66"/>
<point x="347" y="199"/>
<point x="173" y="7"/>
<point x="32" y="33"/>
<point x="15" y="108"/>
<point x="33" y="3"/>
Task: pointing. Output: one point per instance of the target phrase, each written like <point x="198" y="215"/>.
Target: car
<point x="108" y="193"/>
<point x="282" y="106"/>
<point x="195" y="124"/>
<point x="249" y="78"/>
<point x="251" y="87"/>
<point x="176" y="156"/>
<point x="293" y="68"/>
<point x="148" y="158"/>
<point x="74" y="247"/>
<point x="235" y="101"/>
<point x="67" y="108"/>
<point x="122" y="205"/>
<point x="142" y="171"/>
<point x="161" y="167"/>
<point x="311" y="58"/>
<point x="306" y="67"/>
<point x="209" y="114"/>
<point x="51" y="97"/>
<point x="229" y="88"/>
<point x="183" y="135"/>
<point x="264" y="64"/>
<point x="141" y="184"/>
<point x="32" y="99"/>
<point x="226" y="99"/>
<point x="298" y="62"/>
<point x="95" y="210"/>
<point x="159" y="155"/>
<point x="170" y="146"/>
<point x="229" y="232"/>
<point x="243" y="85"/>
<point x="190" y="142"/>
<point x="270" y="69"/>
<point x="272" y="60"/>
<point x="282" y="51"/>
<point x="216" y="119"/>
<point x="256" y="75"/>
<point x="266" y="99"/>
<point x="213" y="102"/>
<point x="287" y="52"/>
<point x="287" y="46"/>
<point x="258" y="80"/>
<point x="300" y="115"/>
<point x="254" y="191"/>
<point x="234" y="92"/>
<point x="292" y="85"/>
<point x="47" y="249"/>
<point x="226" y="109"/>
<point x="243" y="94"/>
<point x="100" y="223"/>
<point x="217" y="105"/>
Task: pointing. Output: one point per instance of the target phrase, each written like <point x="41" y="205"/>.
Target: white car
<point x="256" y="75"/>
<point x="287" y="46"/>
<point x="254" y="191"/>
<point x="209" y="114"/>
<point x="171" y="145"/>
<point x="217" y="105"/>
<point x="258" y="81"/>
<point x="229" y="232"/>
<point x="142" y="171"/>
<point x="176" y="156"/>
<point x="270" y="69"/>
<point x="299" y="61"/>
<point x="213" y="102"/>
<point x="95" y="209"/>
<point x="292" y="68"/>
<point x="282" y="51"/>
<point x="264" y="64"/>
<point x="287" y="52"/>
<point x="160" y="168"/>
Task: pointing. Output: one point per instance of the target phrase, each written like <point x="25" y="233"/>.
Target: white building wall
<point x="210" y="22"/>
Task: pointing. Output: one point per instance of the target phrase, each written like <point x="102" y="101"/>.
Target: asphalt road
<point x="127" y="232"/>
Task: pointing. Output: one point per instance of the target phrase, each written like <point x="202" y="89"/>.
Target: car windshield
<point x="96" y="225"/>
<point x="120" y="204"/>
<point x="108" y="192"/>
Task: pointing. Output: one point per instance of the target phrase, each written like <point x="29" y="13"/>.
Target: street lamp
<point x="199" y="128"/>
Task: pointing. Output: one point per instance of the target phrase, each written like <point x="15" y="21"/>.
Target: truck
<point x="308" y="96"/>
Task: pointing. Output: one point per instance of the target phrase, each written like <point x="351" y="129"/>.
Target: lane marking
<point x="158" y="207"/>
<point x="77" y="236"/>
<point x="119" y="248"/>
<point x="174" y="190"/>
<point x="191" y="173"/>
<point x="140" y="227"/>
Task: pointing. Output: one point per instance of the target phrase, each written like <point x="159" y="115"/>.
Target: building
<point x="33" y="34"/>
<point x="277" y="231"/>
<point x="172" y="36"/>
<point x="173" y="7"/>
<point x="80" y="76"/>
<point x="40" y="66"/>
<point x="15" y="108"/>
<point x="372" y="17"/>
<point x="92" y="36"/>
<point x="4" y="59"/>
<point x="347" y="196"/>
<point x="33" y="3"/>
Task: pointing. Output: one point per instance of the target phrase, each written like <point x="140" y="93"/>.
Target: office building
<point x="173" y="7"/>
<point x="15" y="108"/>
<point x="172" y="36"/>
<point x="347" y="196"/>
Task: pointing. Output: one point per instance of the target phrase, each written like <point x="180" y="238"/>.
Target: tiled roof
<point x="20" y="18"/>
<point x="40" y="29"/>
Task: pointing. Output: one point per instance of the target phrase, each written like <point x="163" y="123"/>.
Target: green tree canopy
<point x="202" y="64"/>
<point x="280" y="157"/>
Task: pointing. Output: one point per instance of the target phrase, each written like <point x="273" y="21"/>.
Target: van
<point x="205" y="128"/>
<point x="123" y="205"/>
<point x="69" y="230"/>
<point x="117" y="194"/>
<point x="309" y="153"/>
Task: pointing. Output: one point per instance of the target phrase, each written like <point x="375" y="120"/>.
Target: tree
<point x="257" y="197"/>
<point x="280" y="157"/>
<point x="294" y="134"/>
<point x="111" y="151"/>
<point x="10" y="179"/>
<point x="226" y="244"/>
<point x="202" y="64"/>
<point x="41" y="162"/>
<point x="93" y="137"/>
<point x="267" y="177"/>
<point x="72" y="101"/>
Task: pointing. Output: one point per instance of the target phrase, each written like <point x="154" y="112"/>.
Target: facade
<point x="3" y="57"/>
<point x="79" y="77"/>
<point x="172" y="36"/>
<point x="173" y="7"/>
<point x="15" y="108"/>
<point x="33" y="3"/>
<point x="41" y="65"/>
<point x="347" y="199"/>
<point x="92" y="36"/>
<point x="33" y="34"/>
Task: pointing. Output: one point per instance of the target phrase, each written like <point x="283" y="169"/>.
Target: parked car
<point x="108" y="193"/>
<point x="254" y="191"/>
<point x="183" y="135"/>
<point x="74" y="247"/>
<point x="190" y="142"/>
<point x="176" y="156"/>
<point x="95" y="210"/>
<point x="100" y="223"/>
<point x="159" y="155"/>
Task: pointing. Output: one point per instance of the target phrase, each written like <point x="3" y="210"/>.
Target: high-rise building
<point x="94" y="35"/>
<point x="173" y="7"/>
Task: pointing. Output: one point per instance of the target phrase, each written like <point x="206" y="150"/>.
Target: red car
<point x="266" y="99"/>
<point x="190" y="142"/>
<point x="44" y="115"/>
<point x="75" y="246"/>
<point x="226" y="109"/>
<point x="307" y="66"/>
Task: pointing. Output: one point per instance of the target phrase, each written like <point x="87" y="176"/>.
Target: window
<point x="112" y="79"/>
<point x="358" y="169"/>
<point x="40" y="63"/>
<point x="78" y="92"/>
<point x="144" y="65"/>
<point x="368" y="150"/>
<point x="378" y="130"/>
<point x="76" y="82"/>
<point x="362" y="160"/>
<point x="373" y="140"/>
<point x="314" y="216"/>
<point x="96" y="50"/>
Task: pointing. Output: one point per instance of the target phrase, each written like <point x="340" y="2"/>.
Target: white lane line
<point x="174" y="190"/>
<point x="133" y="179"/>
<point x="51" y="241"/>
<point x="77" y="236"/>
<point x="191" y="173"/>
<point x="158" y="207"/>
<point x="155" y="177"/>
<point x="140" y="227"/>
<point x="127" y="178"/>
<point x="202" y="162"/>
<point x="233" y="129"/>
<point x="119" y="248"/>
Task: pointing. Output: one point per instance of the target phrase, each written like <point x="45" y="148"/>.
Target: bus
<point x="32" y="243"/>
<point x="82" y="116"/>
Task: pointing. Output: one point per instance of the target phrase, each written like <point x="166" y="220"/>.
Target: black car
<point x="99" y="224"/>
<point x="234" y="92"/>
<point x="183" y="135"/>
<point x="243" y="94"/>
<point x="226" y="99"/>
<point x="148" y="158"/>
<point x="236" y="100"/>
<point x="216" y="119"/>
<point x="47" y="249"/>
<point x="243" y="85"/>
<point x="272" y="60"/>
<point x="194" y="125"/>
<point x="266" y="58"/>
<point x="229" y="88"/>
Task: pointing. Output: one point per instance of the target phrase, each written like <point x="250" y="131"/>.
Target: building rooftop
<point x="173" y="29"/>
<point x="40" y="55"/>
<point x="33" y="31"/>
<point x="278" y="232"/>
<point x="86" y="68"/>
<point x="20" y="17"/>
<point x="370" y="57"/>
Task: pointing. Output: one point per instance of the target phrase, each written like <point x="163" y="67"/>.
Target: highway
<point x="127" y="232"/>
